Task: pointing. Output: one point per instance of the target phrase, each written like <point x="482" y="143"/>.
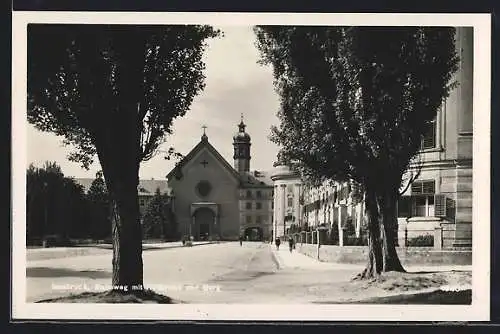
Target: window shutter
<point x="423" y="187"/>
<point x="416" y="188"/>
<point x="450" y="209"/>
<point x="428" y="187"/>
<point x="440" y="206"/>
<point x="404" y="206"/>
<point x="429" y="138"/>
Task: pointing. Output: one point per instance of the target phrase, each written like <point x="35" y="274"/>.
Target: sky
<point x="235" y="85"/>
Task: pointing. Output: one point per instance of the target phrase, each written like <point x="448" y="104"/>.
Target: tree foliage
<point x="114" y="91"/>
<point x="363" y="97"/>
<point x="96" y="74"/>
<point x="55" y="204"/>
<point x="158" y="220"/>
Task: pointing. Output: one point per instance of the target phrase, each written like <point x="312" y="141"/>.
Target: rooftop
<point x="146" y="187"/>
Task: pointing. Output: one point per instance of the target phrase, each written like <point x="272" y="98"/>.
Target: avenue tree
<point x="355" y="104"/>
<point x="113" y="91"/>
<point x="55" y="204"/>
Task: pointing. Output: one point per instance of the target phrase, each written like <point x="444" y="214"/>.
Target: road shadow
<point x="146" y="247"/>
<point x="63" y="272"/>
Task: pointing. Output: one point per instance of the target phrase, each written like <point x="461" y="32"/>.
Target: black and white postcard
<point x="231" y="166"/>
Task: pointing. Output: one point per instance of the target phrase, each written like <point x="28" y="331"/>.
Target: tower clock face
<point x="203" y="188"/>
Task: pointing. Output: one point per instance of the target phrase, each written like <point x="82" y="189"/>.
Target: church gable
<point x="203" y="159"/>
<point x="206" y="164"/>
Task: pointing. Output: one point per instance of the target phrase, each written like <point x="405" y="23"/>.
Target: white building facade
<point x="287" y="208"/>
<point x="332" y="206"/>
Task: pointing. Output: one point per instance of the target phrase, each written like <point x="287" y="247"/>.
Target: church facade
<point x="214" y="200"/>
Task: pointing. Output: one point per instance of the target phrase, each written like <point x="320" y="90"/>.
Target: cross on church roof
<point x="204" y="136"/>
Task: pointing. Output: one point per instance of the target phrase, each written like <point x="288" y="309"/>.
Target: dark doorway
<point x="204" y="220"/>
<point x="204" y="231"/>
<point x="253" y="234"/>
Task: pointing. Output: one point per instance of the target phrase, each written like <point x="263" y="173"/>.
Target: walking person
<point x="277" y="242"/>
<point x="241" y="241"/>
<point x="290" y="244"/>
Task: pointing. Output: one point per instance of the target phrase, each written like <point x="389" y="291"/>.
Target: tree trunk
<point x="127" y="238"/>
<point x="388" y="230"/>
<point x="122" y="179"/>
<point x="374" y="266"/>
<point x="382" y="221"/>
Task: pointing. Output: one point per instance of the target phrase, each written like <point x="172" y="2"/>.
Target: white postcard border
<point x="478" y="311"/>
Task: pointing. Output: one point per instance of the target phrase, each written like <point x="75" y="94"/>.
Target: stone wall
<point x="408" y="256"/>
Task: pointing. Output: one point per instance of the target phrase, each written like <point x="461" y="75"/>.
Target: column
<point x="275" y="213"/>
<point x="341" y="231"/>
<point x="281" y="221"/>
<point x="191" y="226"/>
<point x="299" y="218"/>
<point x="358" y="219"/>
<point x="216" y="228"/>
<point x="296" y="201"/>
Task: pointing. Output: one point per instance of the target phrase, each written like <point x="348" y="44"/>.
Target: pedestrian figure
<point x="290" y="244"/>
<point x="241" y="241"/>
<point x="277" y="242"/>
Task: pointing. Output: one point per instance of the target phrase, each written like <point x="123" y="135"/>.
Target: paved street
<point x="210" y="273"/>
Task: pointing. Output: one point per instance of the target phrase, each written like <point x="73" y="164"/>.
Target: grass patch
<point x="114" y="297"/>
<point x="412" y="281"/>
<point x="410" y="288"/>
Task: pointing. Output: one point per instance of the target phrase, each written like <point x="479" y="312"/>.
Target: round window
<point x="203" y="188"/>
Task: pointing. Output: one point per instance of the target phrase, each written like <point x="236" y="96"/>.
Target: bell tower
<point x="241" y="144"/>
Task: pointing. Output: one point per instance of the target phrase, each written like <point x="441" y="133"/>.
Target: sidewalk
<point x="296" y="260"/>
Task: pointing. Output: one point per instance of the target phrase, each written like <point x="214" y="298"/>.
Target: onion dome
<point x="241" y="135"/>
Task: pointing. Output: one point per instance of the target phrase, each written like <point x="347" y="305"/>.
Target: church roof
<point x="202" y="144"/>
<point x="255" y="179"/>
<point x="146" y="187"/>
